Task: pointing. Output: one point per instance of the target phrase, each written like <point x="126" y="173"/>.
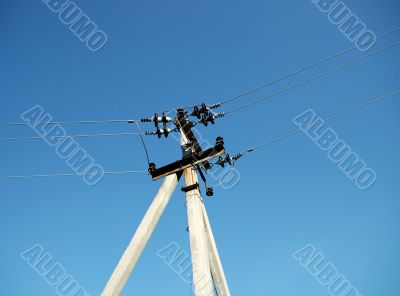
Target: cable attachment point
<point x="165" y="119"/>
<point x="237" y="156"/>
<point x="200" y="111"/>
<point x="210" y="118"/>
<point x="157" y="119"/>
<point x="196" y="112"/>
<point x="159" y="132"/>
<point x="152" y="168"/>
<point x="224" y="160"/>
<point x="215" y="106"/>
<point x="219" y="115"/>
<point x="204" y="120"/>
<point x="219" y="141"/>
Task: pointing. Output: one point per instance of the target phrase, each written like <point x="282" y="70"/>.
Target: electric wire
<point x="250" y="150"/>
<point x="72" y="174"/>
<point x="324" y="60"/>
<point x="303" y="69"/>
<point x="313" y="65"/>
<point x="76" y="122"/>
<point x="231" y="111"/>
<point x="72" y="136"/>
<point x="333" y="117"/>
<point x="144" y="145"/>
<point x="313" y="78"/>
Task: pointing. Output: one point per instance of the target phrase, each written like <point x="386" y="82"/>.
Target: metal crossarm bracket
<point x="188" y="161"/>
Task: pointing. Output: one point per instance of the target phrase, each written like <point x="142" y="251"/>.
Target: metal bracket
<point x="190" y="187"/>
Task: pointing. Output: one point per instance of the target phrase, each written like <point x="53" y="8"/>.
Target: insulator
<point x="224" y="160"/>
<point x="156" y="120"/>
<point x="165" y="119"/>
<point x="211" y="118"/>
<point x="196" y="112"/>
<point x="219" y="115"/>
<point x="215" y="106"/>
<point x="166" y="132"/>
<point x="228" y="159"/>
<point x="237" y="156"/>
<point x="220" y="141"/>
<point x="204" y="120"/>
<point x="221" y="161"/>
<point x="204" y="109"/>
<point x="159" y="132"/>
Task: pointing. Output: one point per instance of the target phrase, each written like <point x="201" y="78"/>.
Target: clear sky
<point x="165" y="54"/>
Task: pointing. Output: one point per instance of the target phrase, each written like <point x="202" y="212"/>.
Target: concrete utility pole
<point x="207" y="268"/>
<point x="139" y="241"/>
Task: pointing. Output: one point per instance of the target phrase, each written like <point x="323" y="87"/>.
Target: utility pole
<point x="206" y="264"/>
<point x="139" y="241"/>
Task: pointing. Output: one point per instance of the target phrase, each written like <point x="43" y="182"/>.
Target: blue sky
<point x="165" y="54"/>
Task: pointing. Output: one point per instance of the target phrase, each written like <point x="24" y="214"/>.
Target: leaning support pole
<point x="217" y="270"/>
<point x="139" y="241"/>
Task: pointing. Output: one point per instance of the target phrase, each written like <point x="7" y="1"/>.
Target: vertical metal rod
<point x="139" y="241"/>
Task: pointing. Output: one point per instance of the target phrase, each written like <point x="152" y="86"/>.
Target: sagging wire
<point x="331" y="118"/>
<point x="313" y="78"/>
<point x="144" y="145"/>
<point x="310" y="66"/>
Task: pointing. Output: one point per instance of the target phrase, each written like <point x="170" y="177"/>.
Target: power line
<point x="224" y="102"/>
<point x="106" y="121"/>
<point x="72" y="136"/>
<point x="314" y="77"/>
<point x="324" y="60"/>
<point x="333" y="117"/>
<point x="285" y="136"/>
<point x="71" y="175"/>
<point x="78" y="122"/>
